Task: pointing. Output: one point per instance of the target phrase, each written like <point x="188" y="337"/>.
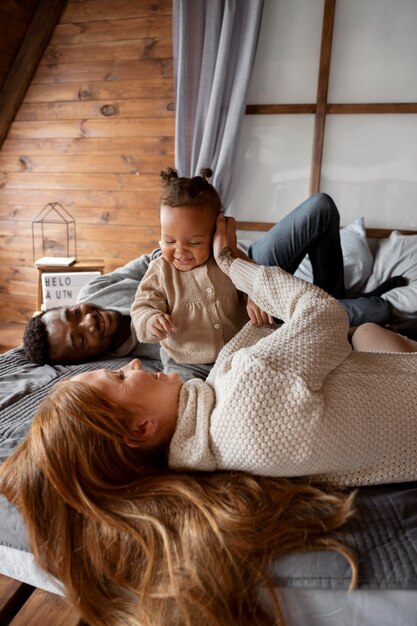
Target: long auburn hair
<point x="136" y="544"/>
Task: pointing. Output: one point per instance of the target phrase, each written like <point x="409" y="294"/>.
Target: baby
<point x="184" y="300"/>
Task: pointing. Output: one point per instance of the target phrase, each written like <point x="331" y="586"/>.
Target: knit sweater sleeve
<point x="150" y="300"/>
<point x="313" y="339"/>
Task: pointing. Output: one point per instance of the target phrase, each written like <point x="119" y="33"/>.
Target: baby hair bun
<point x="206" y="173"/>
<point x="192" y="192"/>
<point x="169" y="175"/>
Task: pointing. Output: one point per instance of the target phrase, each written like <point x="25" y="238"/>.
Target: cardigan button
<point x="216" y="326"/>
<point x="209" y="289"/>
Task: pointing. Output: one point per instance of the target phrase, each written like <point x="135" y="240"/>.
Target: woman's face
<point x="152" y="399"/>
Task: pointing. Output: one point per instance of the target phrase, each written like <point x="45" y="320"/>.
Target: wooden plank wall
<point x="95" y="128"/>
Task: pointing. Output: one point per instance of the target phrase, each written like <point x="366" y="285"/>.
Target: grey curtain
<point x="214" y="49"/>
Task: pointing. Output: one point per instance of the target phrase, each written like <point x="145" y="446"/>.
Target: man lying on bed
<point x="100" y="323"/>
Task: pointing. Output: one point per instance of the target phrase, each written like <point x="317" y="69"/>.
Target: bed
<point x="312" y="587"/>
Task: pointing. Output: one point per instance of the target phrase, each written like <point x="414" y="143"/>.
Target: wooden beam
<point x="254" y="225"/>
<point x="340" y="108"/>
<point x="367" y="108"/>
<point x="280" y="109"/>
<point x="382" y="233"/>
<point x="27" y="59"/>
<point x="378" y="233"/>
<point x="322" y="88"/>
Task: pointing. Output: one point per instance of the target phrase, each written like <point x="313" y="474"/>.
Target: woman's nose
<point x="135" y="364"/>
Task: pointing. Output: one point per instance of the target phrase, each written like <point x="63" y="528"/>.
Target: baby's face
<point x="186" y="235"/>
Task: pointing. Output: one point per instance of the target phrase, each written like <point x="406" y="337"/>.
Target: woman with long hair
<point x="136" y="544"/>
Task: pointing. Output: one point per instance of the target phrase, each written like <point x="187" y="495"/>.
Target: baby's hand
<point x="256" y="316"/>
<point x="161" y="325"/>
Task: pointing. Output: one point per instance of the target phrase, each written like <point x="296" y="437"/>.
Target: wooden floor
<point x="23" y="605"/>
<point x="10" y="336"/>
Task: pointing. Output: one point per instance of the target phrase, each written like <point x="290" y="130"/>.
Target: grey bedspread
<point x="383" y="537"/>
<point x="383" y="534"/>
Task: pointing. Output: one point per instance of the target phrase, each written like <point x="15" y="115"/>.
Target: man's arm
<point x="117" y="289"/>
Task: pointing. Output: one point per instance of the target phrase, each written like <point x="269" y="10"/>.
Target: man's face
<point x="80" y="332"/>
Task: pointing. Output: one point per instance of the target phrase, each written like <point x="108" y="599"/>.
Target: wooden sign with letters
<point x="61" y="288"/>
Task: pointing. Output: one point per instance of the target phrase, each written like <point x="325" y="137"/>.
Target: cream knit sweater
<point x="296" y="400"/>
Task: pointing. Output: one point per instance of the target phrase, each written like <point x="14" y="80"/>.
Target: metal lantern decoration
<point x="54" y="235"/>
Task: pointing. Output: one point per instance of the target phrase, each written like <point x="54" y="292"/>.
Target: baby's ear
<point x="143" y="432"/>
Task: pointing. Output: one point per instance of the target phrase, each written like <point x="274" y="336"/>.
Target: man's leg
<point x="363" y="309"/>
<point x="312" y="228"/>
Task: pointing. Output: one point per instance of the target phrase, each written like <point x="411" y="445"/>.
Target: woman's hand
<point x="225" y="249"/>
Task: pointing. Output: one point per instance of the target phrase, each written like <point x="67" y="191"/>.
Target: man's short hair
<point x="35" y="340"/>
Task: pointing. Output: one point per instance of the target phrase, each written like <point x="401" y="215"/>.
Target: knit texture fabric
<point x="295" y="400"/>
<point x="205" y="306"/>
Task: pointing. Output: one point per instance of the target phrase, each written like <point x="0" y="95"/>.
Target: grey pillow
<point x="397" y="256"/>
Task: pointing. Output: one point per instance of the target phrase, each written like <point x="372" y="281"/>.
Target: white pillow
<point x="357" y="258"/>
<point x="397" y="256"/>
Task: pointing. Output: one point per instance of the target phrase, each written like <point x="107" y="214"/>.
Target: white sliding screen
<point x="332" y="107"/>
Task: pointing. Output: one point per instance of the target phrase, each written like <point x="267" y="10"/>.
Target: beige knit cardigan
<point x="205" y="306"/>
